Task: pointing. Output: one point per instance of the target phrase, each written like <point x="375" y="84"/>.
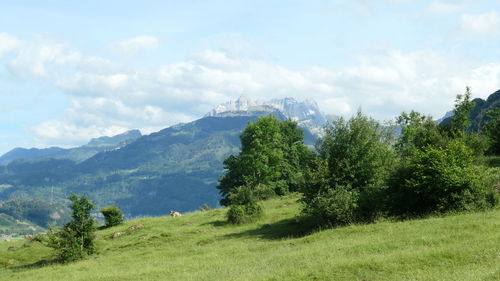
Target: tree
<point x="271" y="160"/>
<point x="492" y="130"/>
<point x="112" y="216"/>
<point x="355" y="158"/>
<point x="417" y="132"/>
<point x="460" y="121"/>
<point x="76" y="238"/>
<point x="358" y="152"/>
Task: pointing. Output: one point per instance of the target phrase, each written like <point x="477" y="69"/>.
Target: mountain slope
<point x="175" y="168"/>
<point x="76" y="154"/>
<point x="201" y="246"/>
<point x="31" y="153"/>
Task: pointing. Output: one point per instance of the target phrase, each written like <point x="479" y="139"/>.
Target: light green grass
<point x="200" y="246"/>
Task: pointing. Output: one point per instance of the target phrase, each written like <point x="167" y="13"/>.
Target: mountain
<point x="31" y="153"/>
<point x="306" y="113"/>
<point x="76" y="154"/>
<point x="176" y="168"/>
<point x="478" y="114"/>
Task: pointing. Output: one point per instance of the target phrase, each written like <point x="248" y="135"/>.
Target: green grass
<point x="200" y="246"/>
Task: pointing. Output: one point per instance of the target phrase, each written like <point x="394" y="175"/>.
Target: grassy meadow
<point x="201" y="246"/>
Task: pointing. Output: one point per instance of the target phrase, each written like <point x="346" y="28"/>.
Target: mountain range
<point x="76" y="154"/>
<point x="176" y="168"/>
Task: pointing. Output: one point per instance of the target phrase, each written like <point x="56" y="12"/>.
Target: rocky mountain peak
<point x="306" y="113"/>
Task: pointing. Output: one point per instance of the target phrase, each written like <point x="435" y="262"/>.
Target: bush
<point x="240" y="214"/>
<point x="438" y="180"/>
<point x="112" y="216"/>
<point x="76" y="238"/>
<point x="244" y="208"/>
<point x="334" y="206"/>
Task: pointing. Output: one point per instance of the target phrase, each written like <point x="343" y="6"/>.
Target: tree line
<point x="360" y="170"/>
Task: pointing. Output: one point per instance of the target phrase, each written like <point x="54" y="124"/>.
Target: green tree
<point x="271" y="160"/>
<point x="76" y="238"/>
<point x="355" y="158"/>
<point x="460" y="121"/>
<point x="417" y="132"/>
<point x="112" y="216"/>
<point x="492" y="130"/>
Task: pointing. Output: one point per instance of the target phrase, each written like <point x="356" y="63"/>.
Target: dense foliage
<point x="76" y="238"/>
<point x="355" y="158"/>
<point x="271" y="161"/>
<point x="112" y="216"/>
<point x="40" y="212"/>
<point x="492" y="130"/>
<point x="439" y="180"/>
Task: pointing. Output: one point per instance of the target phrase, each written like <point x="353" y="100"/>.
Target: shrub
<point x="240" y="214"/>
<point x="244" y="208"/>
<point x="334" y="206"/>
<point x="112" y="216"/>
<point x="437" y="180"/>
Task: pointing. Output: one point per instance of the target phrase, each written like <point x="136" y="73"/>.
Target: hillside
<point x="478" y="114"/>
<point x="76" y="154"/>
<point x="201" y="246"/>
<point x="175" y="168"/>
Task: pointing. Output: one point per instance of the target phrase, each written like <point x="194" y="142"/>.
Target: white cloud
<point x="8" y="43"/>
<point x="135" y="45"/>
<point x="444" y="7"/>
<point x="107" y="98"/>
<point x="487" y="24"/>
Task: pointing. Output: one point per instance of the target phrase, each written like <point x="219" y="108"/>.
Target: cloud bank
<point x="107" y="98"/>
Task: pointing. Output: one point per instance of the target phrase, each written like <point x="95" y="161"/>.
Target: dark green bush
<point x="334" y="206"/>
<point x="112" y="216"/>
<point x="240" y="214"/>
<point x="438" y="180"/>
<point x="244" y="208"/>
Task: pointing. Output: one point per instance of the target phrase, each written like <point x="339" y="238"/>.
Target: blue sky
<point x="73" y="70"/>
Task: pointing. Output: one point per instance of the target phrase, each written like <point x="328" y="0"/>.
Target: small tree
<point x="460" y="122"/>
<point x="112" y="216"/>
<point x="76" y="238"/>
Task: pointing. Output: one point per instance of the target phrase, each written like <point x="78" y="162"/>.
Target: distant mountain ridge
<point x="306" y="113"/>
<point x="76" y="154"/>
<point x="176" y="168"/>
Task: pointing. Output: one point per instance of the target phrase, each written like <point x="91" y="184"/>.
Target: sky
<point x="74" y="70"/>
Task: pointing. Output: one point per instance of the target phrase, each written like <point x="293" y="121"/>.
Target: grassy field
<point x="200" y="246"/>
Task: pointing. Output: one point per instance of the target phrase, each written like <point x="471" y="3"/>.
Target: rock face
<point x="306" y="113"/>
